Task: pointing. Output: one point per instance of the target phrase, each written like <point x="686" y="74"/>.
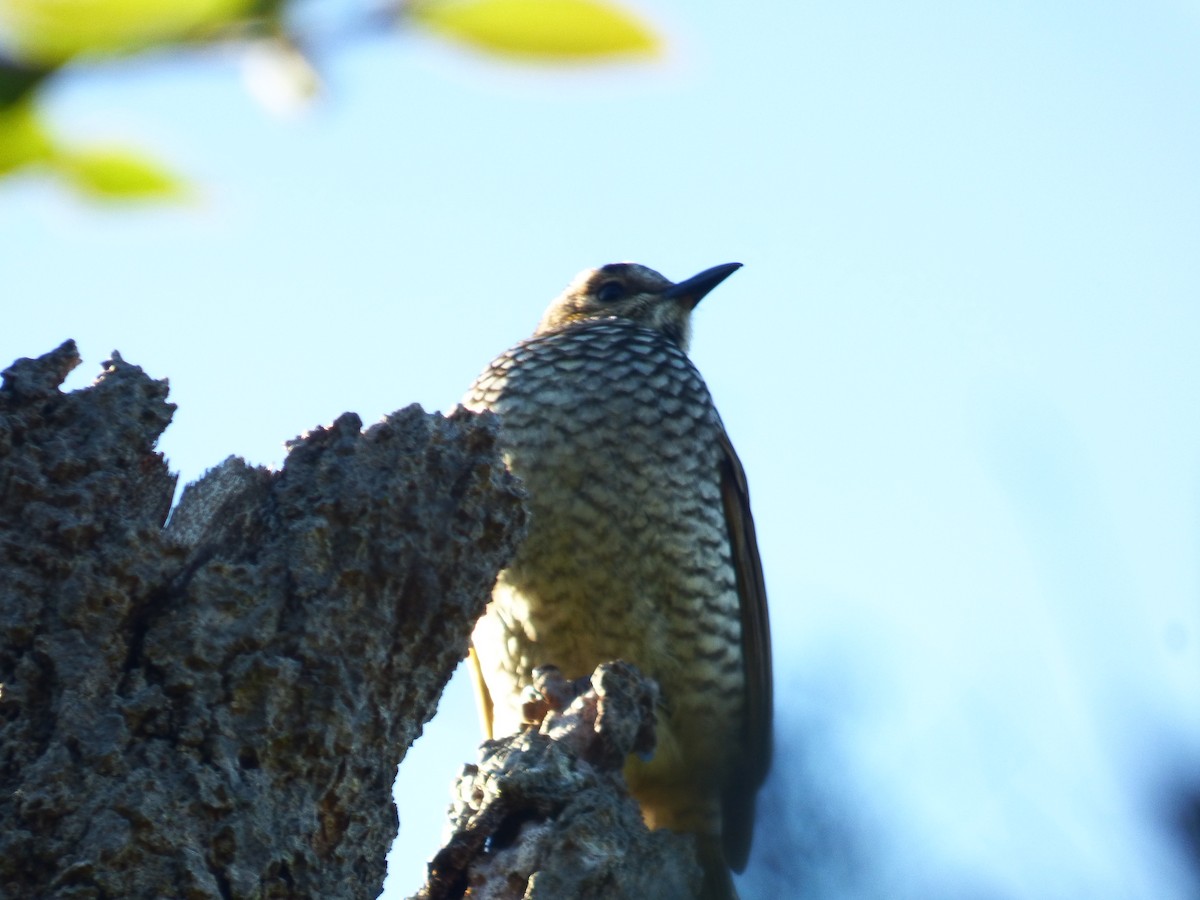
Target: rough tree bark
<point x="215" y="707"/>
<point x="545" y="814"/>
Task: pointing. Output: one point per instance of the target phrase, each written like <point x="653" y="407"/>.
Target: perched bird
<point x="641" y="547"/>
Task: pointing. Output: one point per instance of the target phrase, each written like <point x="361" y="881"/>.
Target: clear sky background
<point x="960" y="365"/>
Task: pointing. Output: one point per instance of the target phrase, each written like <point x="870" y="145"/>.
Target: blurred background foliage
<point x="40" y="39"/>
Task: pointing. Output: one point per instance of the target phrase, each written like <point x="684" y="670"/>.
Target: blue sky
<point x="960" y="365"/>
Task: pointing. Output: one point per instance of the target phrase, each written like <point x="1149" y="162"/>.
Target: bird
<point x="641" y="546"/>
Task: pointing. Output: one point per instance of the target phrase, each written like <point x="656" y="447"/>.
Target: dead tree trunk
<point x="217" y="708"/>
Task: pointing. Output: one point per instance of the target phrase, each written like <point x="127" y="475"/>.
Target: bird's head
<point x="633" y="292"/>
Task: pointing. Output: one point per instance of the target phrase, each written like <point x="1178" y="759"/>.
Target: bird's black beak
<point x="690" y="292"/>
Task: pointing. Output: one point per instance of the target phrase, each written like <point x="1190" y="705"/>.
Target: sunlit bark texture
<point x="546" y="813"/>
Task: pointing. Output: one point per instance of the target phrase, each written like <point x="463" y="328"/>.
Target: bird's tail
<point x="718" y="882"/>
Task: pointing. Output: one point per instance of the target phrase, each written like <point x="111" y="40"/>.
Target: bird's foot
<point x="609" y="716"/>
<point x="549" y="692"/>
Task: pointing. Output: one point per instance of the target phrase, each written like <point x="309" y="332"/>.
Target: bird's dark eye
<point x="610" y="291"/>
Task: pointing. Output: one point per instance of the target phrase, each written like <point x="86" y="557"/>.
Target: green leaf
<point x="23" y="139"/>
<point x="539" y="29"/>
<point x="118" y="174"/>
<point x="107" y="173"/>
<point x="50" y="33"/>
